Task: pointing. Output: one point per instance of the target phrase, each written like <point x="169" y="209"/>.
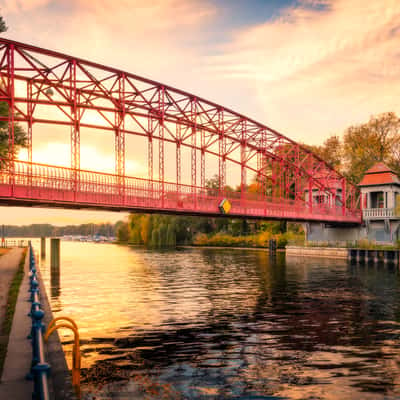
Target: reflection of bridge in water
<point x="46" y="88"/>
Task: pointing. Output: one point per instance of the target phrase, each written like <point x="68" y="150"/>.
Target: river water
<point x="222" y="324"/>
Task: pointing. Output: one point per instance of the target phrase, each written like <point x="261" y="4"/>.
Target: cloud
<point x="15" y="6"/>
<point x="314" y="69"/>
<point x="165" y="40"/>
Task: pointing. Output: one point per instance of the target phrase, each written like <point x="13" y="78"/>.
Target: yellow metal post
<point x="76" y="353"/>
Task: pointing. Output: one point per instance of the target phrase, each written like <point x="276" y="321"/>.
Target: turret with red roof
<point x="380" y="195"/>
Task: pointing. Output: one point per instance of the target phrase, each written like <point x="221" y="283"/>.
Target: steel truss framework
<point x="46" y="87"/>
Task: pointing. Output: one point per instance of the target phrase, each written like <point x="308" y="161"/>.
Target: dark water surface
<point x="217" y="324"/>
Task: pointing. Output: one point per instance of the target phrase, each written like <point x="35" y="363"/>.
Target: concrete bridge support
<point x="55" y="252"/>
<point x="321" y="232"/>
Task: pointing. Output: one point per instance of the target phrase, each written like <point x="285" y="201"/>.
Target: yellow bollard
<point x="76" y="353"/>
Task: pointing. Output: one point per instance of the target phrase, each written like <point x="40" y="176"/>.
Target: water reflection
<point x="220" y="324"/>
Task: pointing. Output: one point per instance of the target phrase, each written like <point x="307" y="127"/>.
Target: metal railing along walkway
<point x="40" y="368"/>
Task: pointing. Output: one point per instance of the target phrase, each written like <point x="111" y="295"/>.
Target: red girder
<point x="128" y="104"/>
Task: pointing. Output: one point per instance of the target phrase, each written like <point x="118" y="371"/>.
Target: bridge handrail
<point x="44" y="175"/>
<point x="58" y="183"/>
<point x="40" y="368"/>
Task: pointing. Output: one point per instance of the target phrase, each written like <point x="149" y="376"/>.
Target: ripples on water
<point x="216" y="324"/>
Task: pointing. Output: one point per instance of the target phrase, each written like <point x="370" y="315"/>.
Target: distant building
<point x="380" y="199"/>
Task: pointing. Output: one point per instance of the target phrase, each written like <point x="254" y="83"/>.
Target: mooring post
<point x="55" y="252"/>
<point x="43" y="247"/>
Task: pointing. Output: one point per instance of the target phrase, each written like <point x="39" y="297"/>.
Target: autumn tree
<point x="330" y="151"/>
<point x="123" y="232"/>
<point x="372" y="142"/>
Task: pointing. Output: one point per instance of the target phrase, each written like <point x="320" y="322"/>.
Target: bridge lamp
<point x="49" y="92"/>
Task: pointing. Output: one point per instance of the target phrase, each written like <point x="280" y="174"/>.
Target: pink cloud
<point x="14" y="6"/>
<point x="317" y="71"/>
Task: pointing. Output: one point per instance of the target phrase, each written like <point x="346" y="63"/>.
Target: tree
<point x="330" y="151"/>
<point x="3" y="26"/>
<point x="123" y="232"/>
<point x="155" y="239"/>
<point x="372" y="142"/>
<point x="395" y="162"/>
<point x="171" y="235"/>
<point x="20" y="138"/>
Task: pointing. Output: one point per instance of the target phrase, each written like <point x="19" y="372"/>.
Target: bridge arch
<point x="46" y="87"/>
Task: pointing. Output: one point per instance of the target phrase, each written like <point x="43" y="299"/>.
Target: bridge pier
<point x="54" y="252"/>
<point x="321" y="232"/>
<point x="43" y="247"/>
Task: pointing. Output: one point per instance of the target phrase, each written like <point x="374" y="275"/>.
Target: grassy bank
<point x="257" y="240"/>
<point x="10" y="309"/>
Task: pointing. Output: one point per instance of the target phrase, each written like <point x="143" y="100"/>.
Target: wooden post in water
<point x="43" y="247"/>
<point x="55" y="252"/>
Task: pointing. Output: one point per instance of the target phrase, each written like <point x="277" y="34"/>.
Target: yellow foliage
<point x="263" y="238"/>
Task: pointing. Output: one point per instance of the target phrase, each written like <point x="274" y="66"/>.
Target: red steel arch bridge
<point x="276" y="178"/>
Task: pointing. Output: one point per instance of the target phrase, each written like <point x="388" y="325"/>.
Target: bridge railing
<point x="61" y="184"/>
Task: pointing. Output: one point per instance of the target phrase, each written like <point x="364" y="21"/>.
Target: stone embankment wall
<point x="325" y="252"/>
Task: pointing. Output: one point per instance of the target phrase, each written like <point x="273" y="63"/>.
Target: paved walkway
<point x="8" y="266"/>
<point x="13" y="384"/>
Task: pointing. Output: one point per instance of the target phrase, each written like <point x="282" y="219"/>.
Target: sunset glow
<point x="307" y="68"/>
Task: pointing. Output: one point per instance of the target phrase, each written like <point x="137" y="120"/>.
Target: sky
<point x="307" y="68"/>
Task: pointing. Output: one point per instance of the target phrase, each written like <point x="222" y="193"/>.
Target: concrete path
<point x="8" y="266"/>
<point x="13" y="384"/>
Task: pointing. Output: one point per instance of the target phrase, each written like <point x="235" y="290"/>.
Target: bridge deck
<point x="41" y="185"/>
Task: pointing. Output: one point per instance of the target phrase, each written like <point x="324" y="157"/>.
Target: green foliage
<point x="377" y="140"/>
<point x="372" y="142"/>
<point x="123" y="233"/>
<point x="171" y="235"/>
<point x="3" y="26"/>
<point x="20" y="137"/>
<point x="330" y="151"/>
<point x="155" y="238"/>
<point x="153" y="231"/>
<point x="256" y="240"/>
